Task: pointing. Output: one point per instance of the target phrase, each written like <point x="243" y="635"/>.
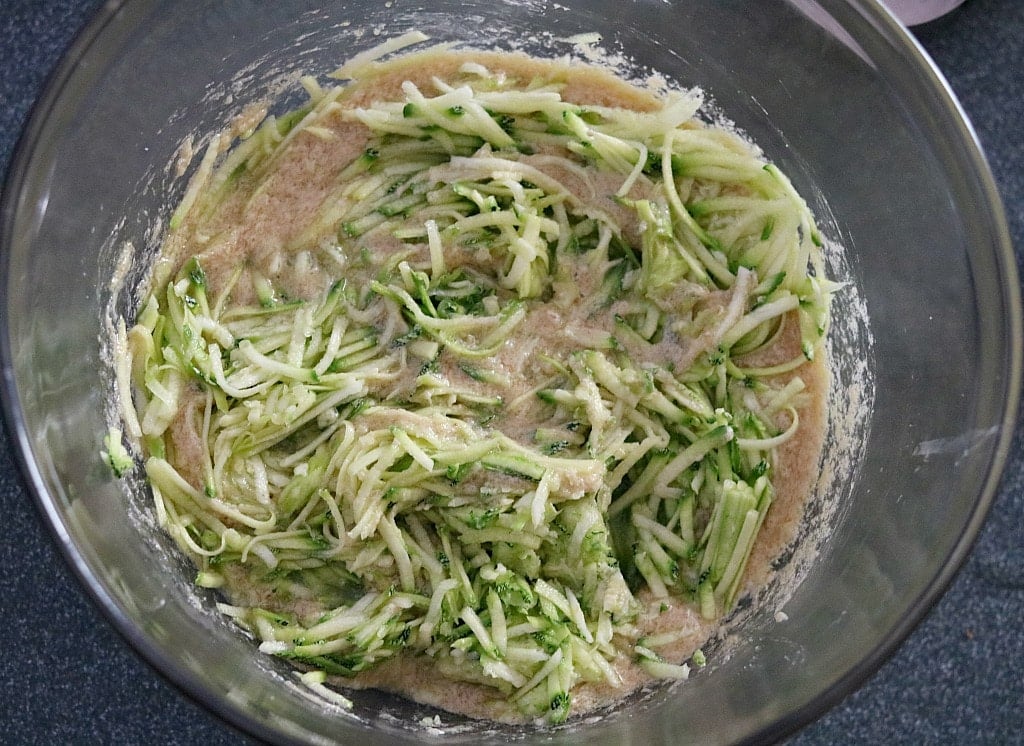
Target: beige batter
<point x="268" y="229"/>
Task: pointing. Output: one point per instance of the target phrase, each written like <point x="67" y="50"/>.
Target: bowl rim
<point x="944" y="100"/>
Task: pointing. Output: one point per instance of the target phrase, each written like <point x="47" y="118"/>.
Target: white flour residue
<point x="957" y="446"/>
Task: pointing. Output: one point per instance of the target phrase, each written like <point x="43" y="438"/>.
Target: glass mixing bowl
<point x="926" y="343"/>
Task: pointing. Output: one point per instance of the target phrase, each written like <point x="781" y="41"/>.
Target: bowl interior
<point x="926" y="339"/>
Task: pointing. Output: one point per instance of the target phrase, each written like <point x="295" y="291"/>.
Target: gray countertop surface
<point x="67" y="677"/>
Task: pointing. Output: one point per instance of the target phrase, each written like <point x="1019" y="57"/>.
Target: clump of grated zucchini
<point x="389" y="519"/>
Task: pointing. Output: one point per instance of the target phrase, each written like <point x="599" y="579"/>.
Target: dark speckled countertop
<point x="67" y="677"/>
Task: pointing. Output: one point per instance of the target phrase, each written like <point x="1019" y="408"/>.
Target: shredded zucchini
<point x="115" y="454"/>
<point x="363" y="458"/>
